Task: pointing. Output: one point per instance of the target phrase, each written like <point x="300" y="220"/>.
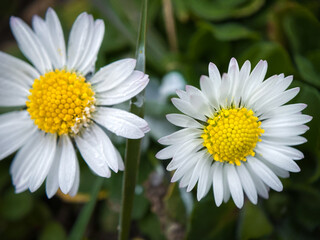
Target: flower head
<point x="237" y="133"/>
<point x="64" y="106"/>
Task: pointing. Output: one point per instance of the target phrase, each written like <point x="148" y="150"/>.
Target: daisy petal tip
<point x="146" y="129"/>
<point x="159" y="155"/>
<point x="199" y="197"/>
<point x="309" y="118"/>
<point x="174" y="100"/>
<point x="160" y="140"/>
<point x="202" y="78"/>
<point x="189" y="189"/>
<point x="50" y="10"/>
<point x="239" y="203"/>
<point x="212" y="65"/>
<point x="13" y="21"/>
<point x="188" y="88"/>
<point x="254" y="200"/>
<point x="233" y="62"/>
<point x="218" y="202"/>
<point x="49" y="195"/>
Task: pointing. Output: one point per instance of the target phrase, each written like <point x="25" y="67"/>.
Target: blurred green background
<point x="183" y="36"/>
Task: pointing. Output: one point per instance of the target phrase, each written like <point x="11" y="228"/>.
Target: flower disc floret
<point x="232" y="134"/>
<point x="60" y="102"/>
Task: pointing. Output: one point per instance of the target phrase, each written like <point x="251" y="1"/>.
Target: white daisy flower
<point x="62" y="106"/>
<point x="237" y="134"/>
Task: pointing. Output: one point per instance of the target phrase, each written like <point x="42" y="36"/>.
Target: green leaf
<point x="278" y="59"/>
<point x="141" y="205"/>
<point x="229" y="31"/>
<point x="174" y="204"/>
<point x="212" y="222"/>
<point x="254" y="223"/>
<point x="14" y="207"/>
<point x="150" y="226"/>
<point x="109" y="216"/>
<point x="302" y="29"/>
<point x="311" y="164"/>
<point x="80" y="225"/>
<point x="221" y="10"/>
<point x="53" y="231"/>
<point x="311" y="97"/>
<point x="305" y="208"/>
<point x="308" y="71"/>
<point x="133" y="146"/>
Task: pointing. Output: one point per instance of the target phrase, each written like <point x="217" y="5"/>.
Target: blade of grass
<point x="156" y="45"/>
<point x="81" y="223"/>
<point x="133" y="146"/>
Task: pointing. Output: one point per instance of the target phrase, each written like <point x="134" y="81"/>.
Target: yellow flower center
<point x="60" y="102"/>
<point x="232" y="134"/>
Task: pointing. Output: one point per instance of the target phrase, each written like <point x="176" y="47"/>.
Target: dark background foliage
<point x="286" y="33"/>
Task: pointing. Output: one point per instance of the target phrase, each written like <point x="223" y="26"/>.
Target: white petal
<point x="225" y="87"/>
<point x="208" y="90"/>
<point x="286" y="121"/>
<point x="273" y="86"/>
<point x="44" y="162"/>
<point x="12" y="93"/>
<point x="277" y="158"/>
<point x="182" y="152"/>
<point x="113" y="74"/>
<point x="15" y="129"/>
<point x="121" y="123"/>
<point x="67" y="168"/>
<point x="196" y="173"/>
<point x="205" y="178"/>
<point x="280" y="172"/>
<point x="226" y="188"/>
<point x="57" y="37"/>
<point x="264" y="92"/>
<point x="183" y="95"/>
<point x="193" y="159"/>
<point x="265" y="174"/>
<point x="24" y="161"/>
<point x="182" y="135"/>
<point x="17" y="70"/>
<point x="119" y="159"/>
<point x="262" y="189"/>
<point x="292" y="141"/>
<point x="129" y="88"/>
<point x="167" y="152"/>
<point x="255" y="79"/>
<point x="52" y="182"/>
<point x="285" y="131"/>
<point x="218" y="182"/>
<point x="43" y="33"/>
<point x="93" y="144"/>
<point x="234" y="185"/>
<point x="247" y="183"/>
<point x="30" y="45"/>
<point x="243" y="78"/>
<point x="90" y="55"/>
<point x="77" y="39"/>
<point x="182" y="120"/>
<point x="215" y="77"/>
<point x="198" y="101"/>
<point x="236" y="85"/>
<point x="284" y="111"/>
<point x="277" y="101"/>
<point x="75" y="186"/>
<point x="288" y="151"/>
<point x="187" y="108"/>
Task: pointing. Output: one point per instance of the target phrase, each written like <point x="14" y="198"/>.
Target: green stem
<point x="82" y="221"/>
<point x="133" y="146"/>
